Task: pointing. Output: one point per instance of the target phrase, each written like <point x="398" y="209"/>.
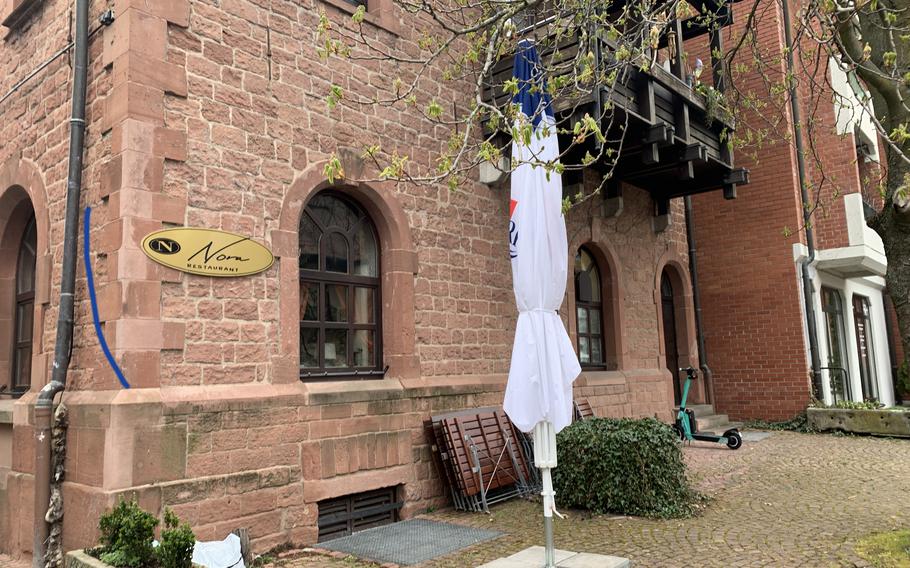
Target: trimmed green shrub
<point x="127" y="533"/>
<point x="126" y="536"/>
<point x="177" y="542"/>
<point x="623" y="466"/>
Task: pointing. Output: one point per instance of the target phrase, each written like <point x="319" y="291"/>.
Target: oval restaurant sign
<point x="207" y="252"/>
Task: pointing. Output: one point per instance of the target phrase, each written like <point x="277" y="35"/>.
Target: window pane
<point x="309" y="301"/>
<point x="831" y="300"/>
<point x="336" y="253"/>
<point x="584" y="353"/>
<point x="364" y="308"/>
<point x="23" y="367"/>
<point x="597" y="357"/>
<point x="309" y="347"/>
<point x="25" y="269"/>
<point x="333" y="212"/>
<point x="366" y="253"/>
<point x="308" y="239"/>
<point x="582" y="320"/>
<point x="666" y="287"/>
<point x="587" y="278"/>
<point x="594" y="314"/>
<point x="363" y="348"/>
<point x="336" y="303"/>
<point x="24" y="313"/>
<point x="336" y="348"/>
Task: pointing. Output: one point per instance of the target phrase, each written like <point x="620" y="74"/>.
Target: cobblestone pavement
<point x="789" y="500"/>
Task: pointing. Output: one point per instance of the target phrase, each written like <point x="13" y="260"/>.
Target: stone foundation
<point x="263" y="456"/>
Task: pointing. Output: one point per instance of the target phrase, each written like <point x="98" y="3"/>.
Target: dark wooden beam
<point x="693" y="152"/>
<point x="739" y="176"/>
<point x="676" y="64"/>
<point x="718" y="67"/>
<point x="660" y="134"/>
<point x="648" y="110"/>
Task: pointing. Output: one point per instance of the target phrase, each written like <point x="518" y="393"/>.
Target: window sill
<point x="16" y="11"/>
<point x="382" y="18"/>
<point x="341" y="391"/>
<point x="593" y="377"/>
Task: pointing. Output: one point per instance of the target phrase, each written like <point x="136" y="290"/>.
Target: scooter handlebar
<point x="689" y="371"/>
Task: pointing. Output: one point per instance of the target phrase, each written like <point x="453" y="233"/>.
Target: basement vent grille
<point x="342" y="516"/>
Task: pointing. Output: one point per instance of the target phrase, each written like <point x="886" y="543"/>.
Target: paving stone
<point x="754" y="436"/>
<point x="535" y="555"/>
<point x="588" y="560"/>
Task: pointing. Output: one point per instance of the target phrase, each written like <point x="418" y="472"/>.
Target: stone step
<point x="718" y="427"/>
<point x="701" y="409"/>
<point x="709" y="421"/>
<point x="712" y="422"/>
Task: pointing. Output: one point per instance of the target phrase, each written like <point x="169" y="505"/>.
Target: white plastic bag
<point x="219" y="554"/>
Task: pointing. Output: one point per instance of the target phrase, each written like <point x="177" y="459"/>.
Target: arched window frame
<point x="585" y="332"/>
<point x="315" y="317"/>
<point x="24" y="309"/>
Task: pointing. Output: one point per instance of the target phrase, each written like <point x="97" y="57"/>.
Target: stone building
<point x="244" y="407"/>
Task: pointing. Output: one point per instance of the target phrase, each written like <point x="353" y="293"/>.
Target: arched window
<point x="589" y="311"/>
<point x="340" y="331"/>
<point x="25" y="309"/>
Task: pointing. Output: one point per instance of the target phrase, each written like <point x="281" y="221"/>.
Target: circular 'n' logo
<point x="163" y="245"/>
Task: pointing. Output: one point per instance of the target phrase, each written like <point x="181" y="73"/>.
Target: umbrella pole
<point x="545" y="460"/>
<point x="548" y="494"/>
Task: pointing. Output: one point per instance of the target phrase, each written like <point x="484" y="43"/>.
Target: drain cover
<point x="409" y="542"/>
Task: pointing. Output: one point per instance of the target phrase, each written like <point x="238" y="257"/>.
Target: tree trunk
<point x="898" y="281"/>
<point x="893" y="226"/>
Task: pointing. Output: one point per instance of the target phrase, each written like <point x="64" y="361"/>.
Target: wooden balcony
<point x="672" y="145"/>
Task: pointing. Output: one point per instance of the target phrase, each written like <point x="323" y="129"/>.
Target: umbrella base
<point x="533" y="557"/>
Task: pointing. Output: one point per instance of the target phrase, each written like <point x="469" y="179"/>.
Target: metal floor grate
<point x="409" y="542"/>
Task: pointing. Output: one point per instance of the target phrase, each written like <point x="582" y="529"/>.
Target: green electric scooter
<point x="687" y="427"/>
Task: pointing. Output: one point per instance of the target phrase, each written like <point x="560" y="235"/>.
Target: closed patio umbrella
<point x="539" y="392"/>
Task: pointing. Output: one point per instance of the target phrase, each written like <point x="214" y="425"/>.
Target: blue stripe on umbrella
<point x="532" y="88"/>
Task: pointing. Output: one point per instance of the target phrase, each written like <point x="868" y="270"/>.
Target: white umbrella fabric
<point x="544" y="365"/>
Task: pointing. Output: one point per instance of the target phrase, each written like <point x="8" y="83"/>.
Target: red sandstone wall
<point x="188" y="129"/>
<point x="34" y="129"/>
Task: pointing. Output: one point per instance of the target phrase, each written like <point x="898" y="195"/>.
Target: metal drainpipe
<point x="64" y="340"/>
<point x="808" y="290"/>
<point x="696" y="302"/>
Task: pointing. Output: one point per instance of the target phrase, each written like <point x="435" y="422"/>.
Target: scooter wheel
<point x="679" y="432"/>
<point x="734" y="441"/>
